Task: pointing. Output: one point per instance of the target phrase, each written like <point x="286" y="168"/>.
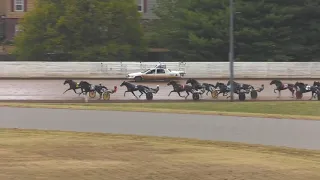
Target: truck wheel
<point x="137" y="79"/>
<point x="242" y="96"/>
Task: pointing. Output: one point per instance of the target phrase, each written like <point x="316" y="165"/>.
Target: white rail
<point x="192" y="69"/>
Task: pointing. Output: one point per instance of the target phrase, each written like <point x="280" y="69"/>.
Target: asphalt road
<point x="279" y="132"/>
<point x="53" y="89"/>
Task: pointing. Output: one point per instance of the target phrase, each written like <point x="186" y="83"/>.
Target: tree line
<point x="193" y="30"/>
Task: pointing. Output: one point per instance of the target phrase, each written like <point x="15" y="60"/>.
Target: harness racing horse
<point x="178" y="88"/>
<point x="224" y="89"/>
<point x="85" y="87"/>
<point x="100" y="89"/>
<point x="198" y="86"/>
<point x="72" y="86"/>
<point x="208" y="87"/>
<point x="238" y="85"/>
<point x="316" y="83"/>
<point x="281" y="86"/>
<point x="132" y="87"/>
<point x="304" y="88"/>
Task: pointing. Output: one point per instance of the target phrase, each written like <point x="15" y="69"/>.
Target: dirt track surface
<point x="51" y="90"/>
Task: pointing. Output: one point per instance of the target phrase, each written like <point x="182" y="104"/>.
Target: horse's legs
<point x="82" y="92"/>
<point x="275" y="90"/>
<point x="75" y="91"/>
<point x="180" y="94"/>
<point x="228" y="96"/>
<point x="202" y="92"/>
<point x="292" y="92"/>
<point x="171" y="92"/>
<point x="124" y="94"/>
<point x="66" y="90"/>
<point x="279" y="93"/>
<point x="141" y="93"/>
<point x="134" y="94"/>
<point x="312" y="95"/>
<point x="187" y="95"/>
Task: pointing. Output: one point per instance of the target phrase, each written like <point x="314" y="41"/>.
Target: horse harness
<point x="283" y="86"/>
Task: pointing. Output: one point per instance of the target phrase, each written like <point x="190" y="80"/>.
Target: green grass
<point x="295" y="110"/>
<point x="57" y="155"/>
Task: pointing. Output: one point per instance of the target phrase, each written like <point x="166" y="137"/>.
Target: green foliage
<point x="87" y="30"/>
<point x="265" y="30"/>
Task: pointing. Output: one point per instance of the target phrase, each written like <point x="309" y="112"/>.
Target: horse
<point x="178" y="88"/>
<point x="316" y="83"/>
<point x="238" y="85"/>
<point x="208" y="87"/>
<point x="281" y="86"/>
<point x="100" y="89"/>
<point x="85" y="87"/>
<point x="197" y="86"/>
<point x="132" y="87"/>
<point x="72" y="86"/>
<point x="224" y="89"/>
<point x="304" y="88"/>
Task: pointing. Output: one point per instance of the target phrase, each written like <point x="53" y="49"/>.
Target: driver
<point x="99" y="88"/>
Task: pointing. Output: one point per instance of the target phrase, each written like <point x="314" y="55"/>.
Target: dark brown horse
<point x="282" y="86"/>
<point x="178" y="88"/>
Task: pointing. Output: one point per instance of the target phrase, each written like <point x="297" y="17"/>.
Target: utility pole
<point x="231" y="50"/>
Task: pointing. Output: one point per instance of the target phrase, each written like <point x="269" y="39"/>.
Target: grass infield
<point x="309" y="110"/>
<point x="56" y="155"/>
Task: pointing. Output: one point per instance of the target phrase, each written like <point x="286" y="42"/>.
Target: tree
<point x="273" y="30"/>
<point x="193" y="29"/>
<point x="265" y="30"/>
<point x="97" y="30"/>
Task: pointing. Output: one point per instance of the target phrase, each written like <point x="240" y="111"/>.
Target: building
<point x="10" y="13"/>
<point x="13" y="10"/>
<point x="145" y="7"/>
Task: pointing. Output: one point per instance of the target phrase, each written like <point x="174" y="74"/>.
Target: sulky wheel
<point x="195" y="96"/>
<point x="106" y="96"/>
<point x="299" y="95"/>
<point x="254" y="94"/>
<point x="92" y="94"/>
<point x="318" y="96"/>
<point x="242" y="96"/>
<point x="214" y="94"/>
<point x="149" y="96"/>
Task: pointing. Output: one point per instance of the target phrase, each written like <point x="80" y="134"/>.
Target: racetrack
<point x="278" y="132"/>
<point x="51" y="90"/>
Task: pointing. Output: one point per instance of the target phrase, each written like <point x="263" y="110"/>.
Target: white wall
<point x="192" y="69"/>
